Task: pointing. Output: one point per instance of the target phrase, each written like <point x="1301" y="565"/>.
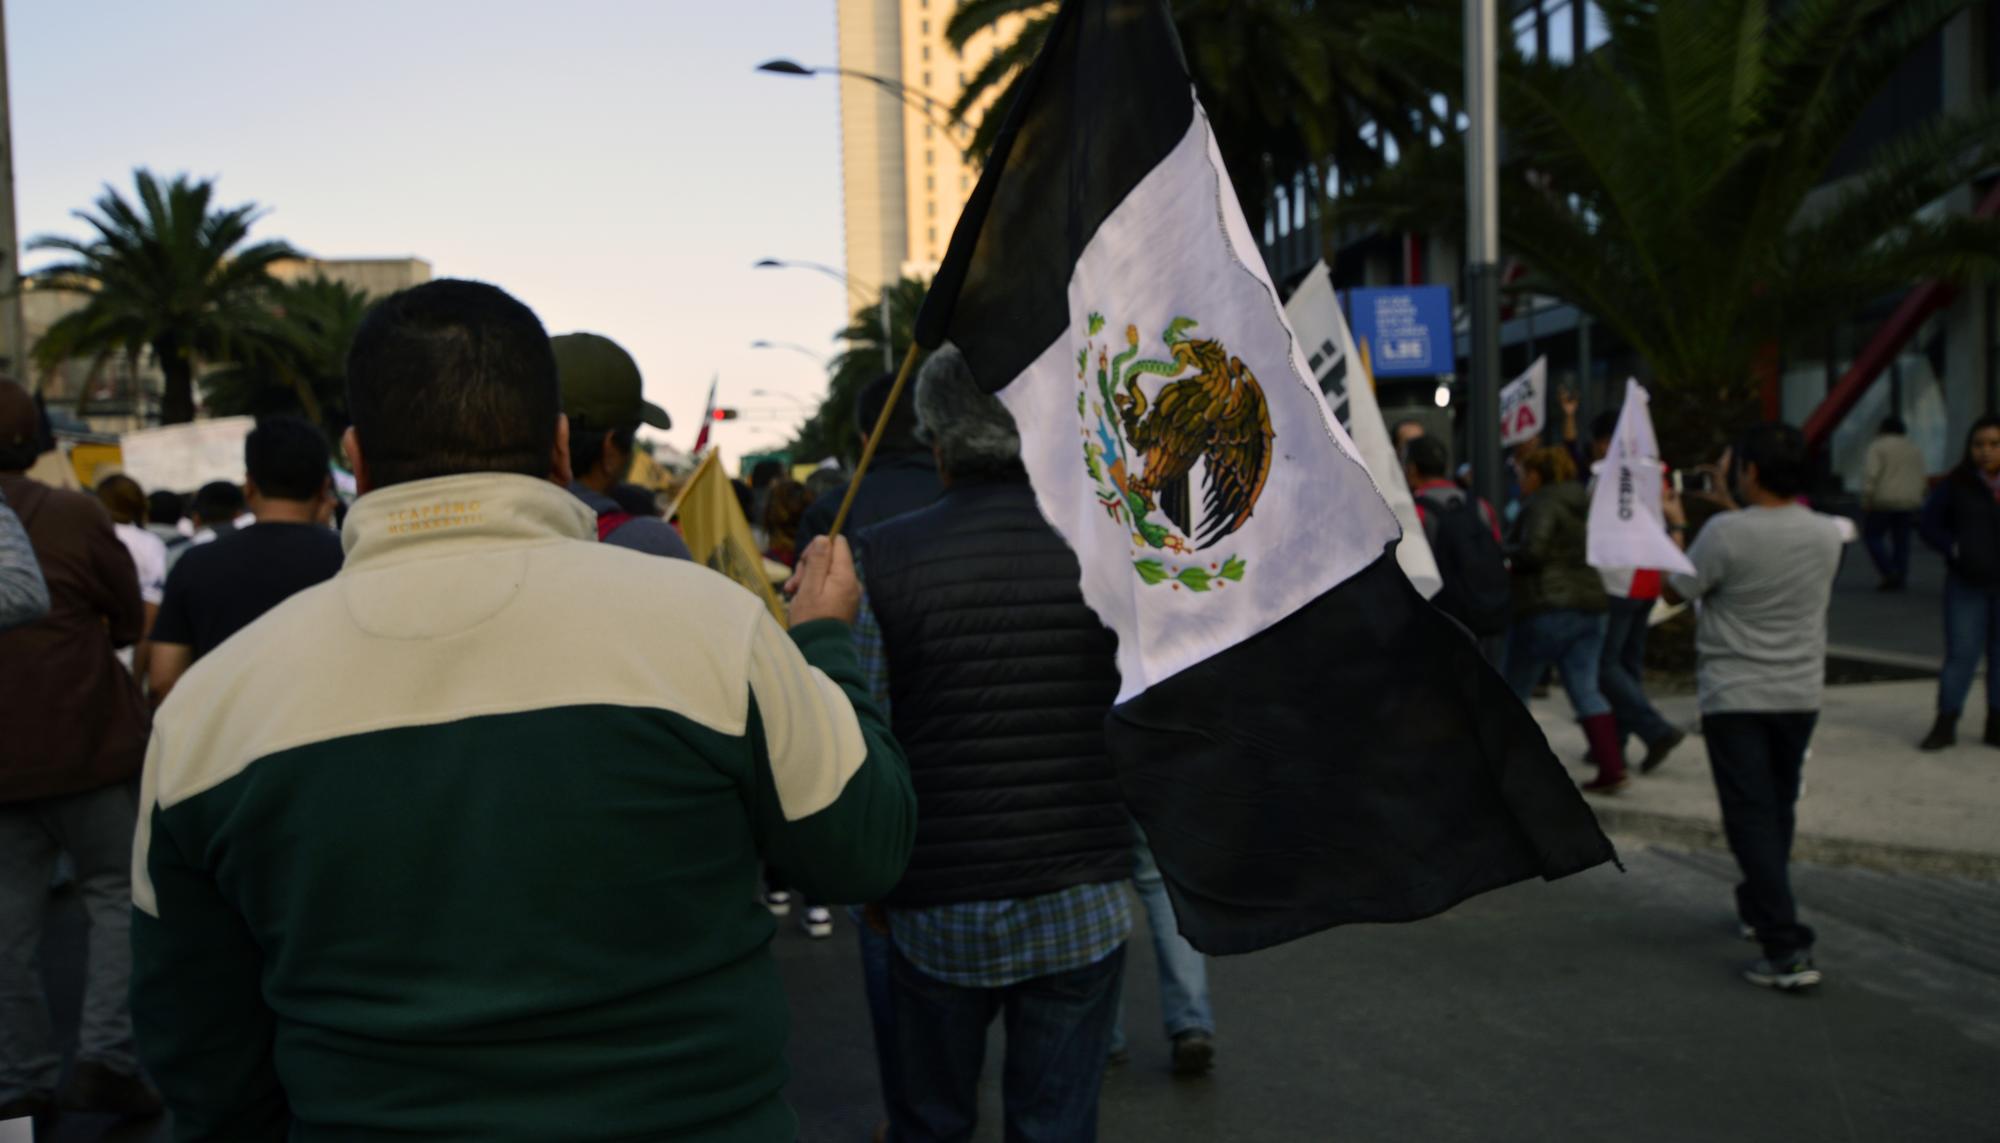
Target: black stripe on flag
<point x="1358" y="761"/>
<point x="1102" y="105"/>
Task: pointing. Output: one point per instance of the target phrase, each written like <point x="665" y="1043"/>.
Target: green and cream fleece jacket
<point x="464" y="843"/>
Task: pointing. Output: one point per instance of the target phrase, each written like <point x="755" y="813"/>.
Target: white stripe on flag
<point x="1170" y="299"/>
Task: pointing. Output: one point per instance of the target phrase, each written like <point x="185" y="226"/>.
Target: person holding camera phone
<point x="1763" y="578"/>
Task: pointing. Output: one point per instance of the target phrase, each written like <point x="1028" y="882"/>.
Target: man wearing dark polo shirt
<point x="218" y="589"/>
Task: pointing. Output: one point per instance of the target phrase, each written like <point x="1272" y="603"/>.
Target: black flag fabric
<point x="1305" y="740"/>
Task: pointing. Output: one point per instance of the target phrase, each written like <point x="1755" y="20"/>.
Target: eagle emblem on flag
<point x="1204" y="437"/>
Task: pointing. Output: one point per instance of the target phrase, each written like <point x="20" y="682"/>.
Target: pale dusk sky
<point x="616" y="164"/>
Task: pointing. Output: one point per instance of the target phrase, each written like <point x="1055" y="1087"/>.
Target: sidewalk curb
<point x="1669" y="829"/>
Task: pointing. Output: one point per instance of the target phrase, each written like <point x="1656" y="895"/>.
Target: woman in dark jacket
<point x="1961" y="520"/>
<point x="1559" y="605"/>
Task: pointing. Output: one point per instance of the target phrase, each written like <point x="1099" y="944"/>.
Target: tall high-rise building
<point x="904" y="175"/>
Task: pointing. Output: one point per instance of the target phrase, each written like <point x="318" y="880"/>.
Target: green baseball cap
<point x="600" y="384"/>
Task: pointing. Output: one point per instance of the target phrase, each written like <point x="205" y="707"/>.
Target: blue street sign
<point x="1407" y="329"/>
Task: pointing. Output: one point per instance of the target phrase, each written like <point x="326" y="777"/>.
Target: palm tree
<point x="175" y="274"/>
<point x="1290" y="85"/>
<point x="1674" y="185"/>
<point x="300" y="363"/>
<point x="830" y="430"/>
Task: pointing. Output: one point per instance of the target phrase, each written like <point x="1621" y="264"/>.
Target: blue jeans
<point x="1571" y="641"/>
<point x="1971" y="631"/>
<point x="1183" y="971"/>
<point x="1058" y="1033"/>
<point x="1622" y="673"/>
<point x="875" y="954"/>
<point x="1887" y="535"/>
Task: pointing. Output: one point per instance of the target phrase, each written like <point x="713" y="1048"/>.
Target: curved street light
<point x="882" y="295"/>
<point x="794" y="346"/>
<point x="921" y="101"/>
<point x="794" y="398"/>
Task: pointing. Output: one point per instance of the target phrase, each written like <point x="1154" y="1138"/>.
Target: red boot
<point x="1607" y="753"/>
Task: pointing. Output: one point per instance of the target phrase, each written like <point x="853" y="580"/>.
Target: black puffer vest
<point x="999" y="681"/>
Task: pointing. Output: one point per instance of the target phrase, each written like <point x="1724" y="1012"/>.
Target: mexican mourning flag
<point x="1305" y="740"/>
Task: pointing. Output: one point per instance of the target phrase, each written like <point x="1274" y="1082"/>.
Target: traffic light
<point x="722" y="414"/>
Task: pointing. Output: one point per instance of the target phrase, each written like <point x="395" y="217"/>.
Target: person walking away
<point x="787" y="505"/>
<point x="1559" y="605"/>
<point x="604" y="397"/>
<point x="1001" y="677"/>
<point x="1892" y="490"/>
<point x="164" y="512"/>
<point x="220" y="588"/>
<point x="764" y="475"/>
<point x="487" y="871"/>
<point x="1763" y="579"/>
<point x="1477" y="590"/>
<point x="1404" y="431"/>
<point x="75" y="734"/>
<point x="1185" y="1008"/>
<point x="1961" y="520"/>
<point x="126" y="501"/>
<point x="217" y="509"/>
<point x="902" y="478"/>
<point x="24" y="595"/>
<point x="1630" y="595"/>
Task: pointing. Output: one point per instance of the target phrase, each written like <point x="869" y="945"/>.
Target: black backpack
<point x="1477" y="591"/>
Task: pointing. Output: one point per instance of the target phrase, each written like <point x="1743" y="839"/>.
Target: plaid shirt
<point x="992" y="944"/>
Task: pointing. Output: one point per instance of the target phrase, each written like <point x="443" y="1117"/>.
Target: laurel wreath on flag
<point x="1106" y="456"/>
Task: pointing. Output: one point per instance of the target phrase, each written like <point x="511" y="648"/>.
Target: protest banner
<point x="1524" y="405"/>
<point x="1344" y="381"/>
<point x="182" y="458"/>
<point x="1626" y="528"/>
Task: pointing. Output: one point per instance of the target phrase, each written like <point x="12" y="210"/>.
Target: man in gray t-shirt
<point x="1763" y="578"/>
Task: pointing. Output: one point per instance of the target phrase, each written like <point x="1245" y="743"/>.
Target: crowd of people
<point x="596" y="772"/>
<point x="539" y="741"/>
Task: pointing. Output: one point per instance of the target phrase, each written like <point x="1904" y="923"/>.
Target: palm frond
<point x="975" y="16"/>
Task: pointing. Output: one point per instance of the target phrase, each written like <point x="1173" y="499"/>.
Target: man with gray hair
<point x="997" y="678"/>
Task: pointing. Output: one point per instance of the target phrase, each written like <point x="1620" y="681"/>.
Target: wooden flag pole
<point x="875" y="438"/>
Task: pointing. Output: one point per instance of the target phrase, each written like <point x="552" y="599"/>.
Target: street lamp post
<point x="794" y="346"/>
<point x="921" y="101"/>
<point x="882" y="295"/>
<point x="1482" y="248"/>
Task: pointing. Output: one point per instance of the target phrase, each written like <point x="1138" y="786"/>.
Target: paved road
<point x="1605" y="1006"/>
<point x="1905" y="626"/>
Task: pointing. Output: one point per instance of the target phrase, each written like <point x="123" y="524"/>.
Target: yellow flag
<point x="712" y="523"/>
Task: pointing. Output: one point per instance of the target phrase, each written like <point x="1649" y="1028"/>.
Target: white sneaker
<point x="817" y="923"/>
<point x="779" y="902"/>
<point x="1792" y="975"/>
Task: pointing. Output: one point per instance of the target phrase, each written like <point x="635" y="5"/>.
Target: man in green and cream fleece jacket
<point x="464" y="843"/>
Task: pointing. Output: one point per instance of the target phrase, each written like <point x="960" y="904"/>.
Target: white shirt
<point x="149" y="555"/>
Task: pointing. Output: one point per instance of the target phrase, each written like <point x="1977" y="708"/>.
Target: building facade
<point x="376" y="277"/>
<point x="904" y="175"/>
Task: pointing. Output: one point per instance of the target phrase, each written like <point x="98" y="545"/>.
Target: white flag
<point x="1626" y="530"/>
<point x="1329" y="344"/>
<point x="1524" y="405"/>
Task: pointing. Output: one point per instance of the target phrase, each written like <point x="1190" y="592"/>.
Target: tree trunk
<point x="177" y="398"/>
